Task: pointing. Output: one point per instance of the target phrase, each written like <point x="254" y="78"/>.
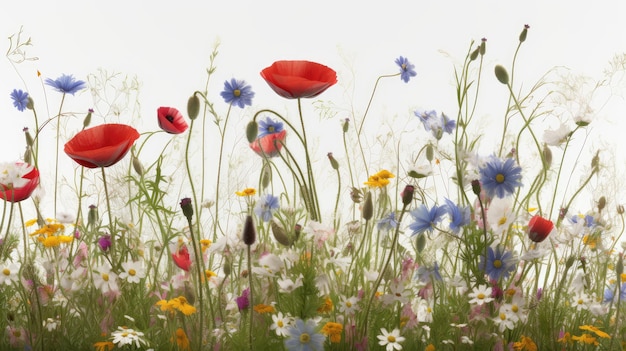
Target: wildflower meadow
<point x="229" y="226"/>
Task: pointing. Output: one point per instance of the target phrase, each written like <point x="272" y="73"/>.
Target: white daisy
<point x="349" y="305"/>
<point x="133" y="271"/>
<point x="9" y="273"/>
<point x="391" y="341"/>
<point x="281" y="324"/>
<point x="126" y="336"/>
<point x="104" y="279"/>
<point x="480" y="295"/>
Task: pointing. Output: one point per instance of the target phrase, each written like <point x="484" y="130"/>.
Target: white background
<point x="166" y="44"/>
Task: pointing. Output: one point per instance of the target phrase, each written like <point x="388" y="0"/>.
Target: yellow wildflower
<point x="525" y="344"/>
<point x="209" y="274"/>
<point x="623" y="277"/>
<point x="430" y="347"/>
<point x="586" y="339"/>
<point x="591" y="241"/>
<point x="104" y="346"/>
<point x="261" y="308"/>
<point x="30" y="222"/>
<point x="595" y="330"/>
<point x="180" y="303"/>
<point x="205" y="244"/>
<point x="566" y="339"/>
<point x="164" y="305"/>
<point x="246" y="192"/>
<point x="333" y="330"/>
<point x="379" y="179"/>
<point x="181" y="339"/>
<point x="326" y="306"/>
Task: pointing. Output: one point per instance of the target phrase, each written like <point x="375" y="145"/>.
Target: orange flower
<point x="261" y="308"/>
<point x="181" y="339"/>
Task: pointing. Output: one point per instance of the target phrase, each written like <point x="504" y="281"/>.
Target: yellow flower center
<point x="480" y="296"/>
<point x="280" y="324"/>
<point x="132" y="272"/>
<point x="580" y="301"/>
<point x="105" y="277"/>
<point x="500" y="178"/>
<point x="237" y="92"/>
<point x="497" y="263"/>
<point x="271" y="129"/>
<point x="503" y="316"/>
<point x="6" y="271"/>
<point x="514" y="308"/>
<point x="391" y="338"/>
<point x="502" y="221"/>
<point x="348" y="304"/>
<point x="404" y="66"/>
<point x="305" y="338"/>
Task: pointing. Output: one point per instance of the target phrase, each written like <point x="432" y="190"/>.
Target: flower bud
<point x="137" y="166"/>
<point x="104" y="242"/>
<point x="27" y="155"/>
<point x="333" y="162"/>
<point x="502" y="74"/>
<point x="279" y="234"/>
<point x="187" y="207"/>
<point x="31" y="103"/>
<point x="346" y="124"/>
<point x="193" y="107"/>
<point x="522" y="35"/>
<point x="415" y="174"/>
<point x="29" y="138"/>
<point x="420" y="243"/>
<point x="601" y="203"/>
<point x="407" y="194"/>
<point x="619" y="267"/>
<point x="355" y="195"/>
<point x="430" y="153"/>
<point x="620" y="209"/>
<point x="595" y="161"/>
<point x="266" y="175"/>
<point x="368" y="207"/>
<point x="483" y="46"/>
<point x="226" y="268"/>
<point x="249" y="231"/>
<point x="297" y="230"/>
<point x="547" y="156"/>
<point x="92" y="216"/>
<point x="474" y="53"/>
<point x="476" y="187"/>
<point x="252" y="130"/>
<point x="87" y="120"/>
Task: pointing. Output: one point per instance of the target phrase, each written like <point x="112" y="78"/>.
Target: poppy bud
<point x="346" y="124"/>
<point x="252" y="130"/>
<point x="185" y="205"/>
<point x="87" y="120"/>
<point x="368" y="207"/>
<point x="601" y="203"/>
<point x="522" y="35"/>
<point x="483" y="46"/>
<point x="249" y="232"/>
<point x="414" y="174"/>
<point x="476" y="187"/>
<point x="137" y="166"/>
<point x="502" y="74"/>
<point x="266" y="175"/>
<point x="474" y="53"/>
<point x="407" y="194"/>
<point x="29" y="138"/>
<point x="595" y="161"/>
<point x="226" y="268"/>
<point x="27" y="155"/>
<point x="193" y="107"/>
<point x="333" y="162"/>
<point x="280" y="235"/>
<point x="297" y="229"/>
<point x="430" y="153"/>
<point x="547" y="156"/>
<point x="92" y="216"/>
<point x="421" y="242"/>
<point x="539" y="228"/>
<point x="31" y="103"/>
<point x="619" y="267"/>
<point x="189" y="293"/>
<point x="620" y="209"/>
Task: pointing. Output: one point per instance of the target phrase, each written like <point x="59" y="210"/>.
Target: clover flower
<point x="391" y="340"/>
<point x="66" y="84"/>
<point x="499" y="263"/>
<point x="425" y="219"/>
<point x="500" y="178"/>
<point x="267" y="205"/>
<point x="407" y="69"/>
<point x="237" y="92"/>
<point x="304" y="337"/>
<point x="20" y="99"/>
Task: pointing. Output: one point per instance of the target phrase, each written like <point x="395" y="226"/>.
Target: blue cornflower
<point x="426" y="273"/>
<point x="266" y="206"/>
<point x="609" y="294"/>
<point x="388" y="223"/>
<point x="588" y="220"/>
<point x="447" y="124"/>
<point x="66" y="84"/>
<point x="428" y="118"/>
<point x="20" y="99"/>
<point x="303" y="337"/>
<point x="500" y="264"/>
<point x="426" y="219"/>
<point x="269" y="126"/>
<point x="458" y="216"/>
<point x="500" y="178"/>
<point x="236" y="92"/>
<point x="407" y="69"/>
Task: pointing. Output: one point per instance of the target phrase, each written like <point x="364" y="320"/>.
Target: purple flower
<point x="500" y="178"/>
<point x="66" y="84"/>
<point x="243" y="301"/>
<point x="458" y="216"/>
<point x="236" y="92"/>
<point x="269" y="126"/>
<point x="499" y="263"/>
<point x="266" y="206"/>
<point x="20" y="99"/>
<point x="425" y="219"/>
<point x="407" y="69"/>
<point x="104" y="242"/>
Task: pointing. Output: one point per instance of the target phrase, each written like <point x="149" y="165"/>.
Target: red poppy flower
<point x="539" y="228"/>
<point x="101" y="146"/>
<point x="270" y="144"/>
<point x="171" y="120"/>
<point x="299" y="79"/>
<point x="28" y="182"/>
<point x="181" y="258"/>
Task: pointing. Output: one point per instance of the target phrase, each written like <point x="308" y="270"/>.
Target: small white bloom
<point x="104" y="279"/>
<point x="480" y="295"/>
<point x="51" y="324"/>
<point x="391" y="341"/>
<point x="505" y="320"/>
<point x="9" y="273"/>
<point x="281" y="324"/>
<point x="126" y="336"/>
<point x="133" y="271"/>
<point x="398" y="293"/>
<point x="349" y="305"/>
<point x="556" y="137"/>
<point x="270" y="265"/>
<point x="286" y="285"/>
<point x="466" y="340"/>
<point x="581" y="301"/>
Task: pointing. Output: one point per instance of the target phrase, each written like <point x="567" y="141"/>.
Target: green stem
<point x="56" y="158"/>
